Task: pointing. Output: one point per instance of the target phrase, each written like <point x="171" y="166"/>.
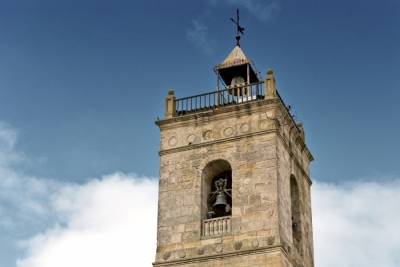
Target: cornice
<point x="203" y="259"/>
<point x="205" y="144"/>
<point x="229" y="112"/>
<point x="219" y="113"/>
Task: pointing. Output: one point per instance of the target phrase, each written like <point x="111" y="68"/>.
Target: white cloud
<point x="197" y="34"/>
<point x="107" y="222"/>
<point x="356" y="223"/>
<point x="262" y="10"/>
<point x="104" y="222"/>
<point x="8" y="139"/>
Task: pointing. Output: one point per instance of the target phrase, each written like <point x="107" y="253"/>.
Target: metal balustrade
<point x="217" y="226"/>
<point x="233" y="95"/>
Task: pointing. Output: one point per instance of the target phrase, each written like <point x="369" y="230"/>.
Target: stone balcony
<point x="217" y="226"/>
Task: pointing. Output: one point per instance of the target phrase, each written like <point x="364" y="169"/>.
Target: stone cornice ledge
<point x="217" y="256"/>
<point x="222" y="112"/>
<point x="196" y="146"/>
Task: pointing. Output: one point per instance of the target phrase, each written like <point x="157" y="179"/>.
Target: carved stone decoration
<point x="245" y="127"/>
<point x="237" y="245"/>
<point x="255" y="243"/>
<point x="182" y="254"/>
<point x="191" y="139"/>
<point x="270" y="240"/>
<point x="200" y="250"/>
<point x="219" y="248"/>
<point x="173" y="141"/>
<point x="166" y="255"/>
<point x="208" y="135"/>
<point x="228" y="131"/>
<point x="263" y="124"/>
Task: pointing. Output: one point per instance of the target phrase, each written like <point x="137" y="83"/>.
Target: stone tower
<point x="234" y="187"/>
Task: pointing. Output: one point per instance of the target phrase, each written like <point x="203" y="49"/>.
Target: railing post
<point x="270" y="87"/>
<point x="170" y="105"/>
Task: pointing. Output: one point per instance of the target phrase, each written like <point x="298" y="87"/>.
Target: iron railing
<point x="230" y="96"/>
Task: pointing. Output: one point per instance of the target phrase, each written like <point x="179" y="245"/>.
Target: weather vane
<point x="239" y="28"/>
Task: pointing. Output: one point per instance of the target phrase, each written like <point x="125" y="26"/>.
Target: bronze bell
<point x="220" y="203"/>
<point x="237" y="87"/>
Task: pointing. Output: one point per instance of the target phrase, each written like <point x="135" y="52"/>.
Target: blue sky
<point x="82" y="82"/>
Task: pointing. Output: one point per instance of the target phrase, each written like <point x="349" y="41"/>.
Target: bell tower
<point x="234" y="184"/>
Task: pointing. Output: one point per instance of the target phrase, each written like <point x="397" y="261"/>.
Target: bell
<point x="237" y="86"/>
<point x="220" y="203"/>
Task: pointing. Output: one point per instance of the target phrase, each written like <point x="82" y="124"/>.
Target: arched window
<point x="295" y="208"/>
<point x="216" y="189"/>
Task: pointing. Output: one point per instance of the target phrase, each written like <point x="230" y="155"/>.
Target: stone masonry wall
<point x="293" y="161"/>
<point x="246" y="138"/>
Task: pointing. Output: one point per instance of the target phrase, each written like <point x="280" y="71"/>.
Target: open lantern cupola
<point x="236" y="70"/>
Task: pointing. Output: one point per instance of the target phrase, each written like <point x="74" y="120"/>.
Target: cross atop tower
<point x="239" y="28"/>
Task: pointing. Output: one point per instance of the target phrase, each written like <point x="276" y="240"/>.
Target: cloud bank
<point x="356" y="223"/>
<point x="111" y="221"/>
<point x="105" y="222"/>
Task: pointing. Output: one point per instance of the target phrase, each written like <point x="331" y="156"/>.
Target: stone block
<point x="176" y="238"/>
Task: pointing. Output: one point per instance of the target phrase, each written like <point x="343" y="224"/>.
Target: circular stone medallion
<point x="191" y="138"/>
<point x="270" y="240"/>
<point x="166" y="255"/>
<point x="182" y="254"/>
<point x="263" y="124"/>
<point x="208" y="135"/>
<point x="245" y="128"/>
<point x="254" y="243"/>
<point x="219" y="248"/>
<point x="200" y="250"/>
<point x="173" y="141"/>
<point x="228" y="131"/>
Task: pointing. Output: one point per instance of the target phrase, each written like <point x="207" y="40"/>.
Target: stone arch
<point x="295" y="209"/>
<point x="211" y="171"/>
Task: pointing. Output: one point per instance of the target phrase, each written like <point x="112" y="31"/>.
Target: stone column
<point x="170" y="105"/>
<point x="270" y="87"/>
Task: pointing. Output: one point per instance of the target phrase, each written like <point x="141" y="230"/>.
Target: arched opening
<point x="216" y="189"/>
<point x="220" y="198"/>
<point x="295" y="208"/>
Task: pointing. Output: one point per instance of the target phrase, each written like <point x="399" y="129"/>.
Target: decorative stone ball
<point x="270" y="71"/>
<point x="166" y="255"/>
<point x="200" y="250"/>
<point x="237" y="245"/>
<point x="270" y="240"/>
<point x="182" y="254"/>
<point x="171" y="92"/>
<point x="255" y="243"/>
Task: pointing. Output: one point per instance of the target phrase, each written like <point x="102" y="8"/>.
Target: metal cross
<point x="239" y="29"/>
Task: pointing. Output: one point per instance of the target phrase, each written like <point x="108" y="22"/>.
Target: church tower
<point x="234" y="185"/>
